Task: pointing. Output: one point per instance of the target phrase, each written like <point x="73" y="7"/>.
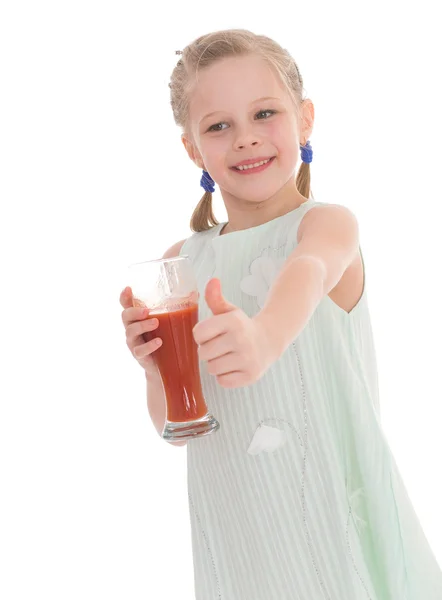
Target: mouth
<point x="255" y="167"/>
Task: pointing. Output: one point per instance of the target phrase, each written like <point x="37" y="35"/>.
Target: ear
<point x="192" y="150"/>
<point x="307" y="120"/>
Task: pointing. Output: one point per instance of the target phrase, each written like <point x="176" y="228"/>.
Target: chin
<point x="261" y="196"/>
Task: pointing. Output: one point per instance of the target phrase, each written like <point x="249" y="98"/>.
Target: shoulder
<point x="327" y="216"/>
<point x="174" y="250"/>
<point x="192" y="245"/>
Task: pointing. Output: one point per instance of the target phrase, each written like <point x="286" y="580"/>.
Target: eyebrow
<point x="254" y="102"/>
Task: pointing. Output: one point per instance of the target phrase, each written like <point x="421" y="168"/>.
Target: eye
<point x="217" y="126"/>
<point x="261" y="112"/>
<point x="214" y="127"/>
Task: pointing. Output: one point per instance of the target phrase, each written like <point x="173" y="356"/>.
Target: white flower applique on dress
<point x="266" y="439"/>
<point x="264" y="270"/>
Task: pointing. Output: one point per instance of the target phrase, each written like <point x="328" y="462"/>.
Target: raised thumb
<point x="215" y="300"/>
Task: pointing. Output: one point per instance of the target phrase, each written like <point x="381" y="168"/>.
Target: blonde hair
<point x="205" y="51"/>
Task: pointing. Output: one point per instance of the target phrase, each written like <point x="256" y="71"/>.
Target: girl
<point x="297" y="496"/>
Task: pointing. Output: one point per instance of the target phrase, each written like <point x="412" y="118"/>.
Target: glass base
<point x="190" y="429"/>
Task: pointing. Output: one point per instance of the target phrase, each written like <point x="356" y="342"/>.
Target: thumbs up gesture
<point x="237" y="348"/>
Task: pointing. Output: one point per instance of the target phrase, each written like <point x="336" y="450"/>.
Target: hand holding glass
<point x="168" y="288"/>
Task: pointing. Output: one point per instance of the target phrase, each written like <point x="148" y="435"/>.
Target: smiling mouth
<point x="255" y="167"/>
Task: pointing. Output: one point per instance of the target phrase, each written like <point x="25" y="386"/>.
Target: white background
<point x="94" y="177"/>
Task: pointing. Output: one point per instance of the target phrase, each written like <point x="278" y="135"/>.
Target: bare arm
<point x="156" y="400"/>
<point x="328" y="244"/>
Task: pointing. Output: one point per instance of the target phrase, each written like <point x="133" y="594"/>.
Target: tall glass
<point x="168" y="288"/>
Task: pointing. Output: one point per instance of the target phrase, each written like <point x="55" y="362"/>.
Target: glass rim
<point x="159" y="260"/>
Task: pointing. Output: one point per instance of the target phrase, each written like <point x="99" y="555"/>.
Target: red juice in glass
<point x="178" y="363"/>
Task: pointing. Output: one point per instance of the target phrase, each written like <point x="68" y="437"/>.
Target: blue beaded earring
<point x="207" y="182"/>
<point x="306" y="153"/>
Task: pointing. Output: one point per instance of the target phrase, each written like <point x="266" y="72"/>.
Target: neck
<point x="243" y="214"/>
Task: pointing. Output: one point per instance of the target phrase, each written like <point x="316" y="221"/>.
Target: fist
<point x="237" y="348"/>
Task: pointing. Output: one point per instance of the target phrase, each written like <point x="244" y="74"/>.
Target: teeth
<point x="243" y="167"/>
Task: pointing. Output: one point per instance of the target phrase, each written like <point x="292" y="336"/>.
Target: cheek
<point x="214" y="152"/>
<point x="286" y="143"/>
<point x="216" y="145"/>
<point x="282" y="134"/>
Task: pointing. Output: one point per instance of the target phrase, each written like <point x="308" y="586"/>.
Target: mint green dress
<point x="297" y="496"/>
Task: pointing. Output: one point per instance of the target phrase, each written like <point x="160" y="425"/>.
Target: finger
<point x="224" y="364"/>
<point x="215" y="347"/>
<point x="132" y="310"/>
<point x="215" y="299"/>
<point x="212" y="327"/>
<point x="148" y="348"/>
<point x="126" y="299"/>
<point x="133" y="314"/>
<point x="234" y="379"/>
<point x="137" y="328"/>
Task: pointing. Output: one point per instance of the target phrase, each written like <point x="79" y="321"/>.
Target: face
<point x="240" y="110"/>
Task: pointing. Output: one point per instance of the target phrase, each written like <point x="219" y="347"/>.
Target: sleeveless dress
<point x="297" y="496"/>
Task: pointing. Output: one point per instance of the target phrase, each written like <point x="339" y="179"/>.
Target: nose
<point x="246" y="139"/>
<point x="241" y="146"/>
